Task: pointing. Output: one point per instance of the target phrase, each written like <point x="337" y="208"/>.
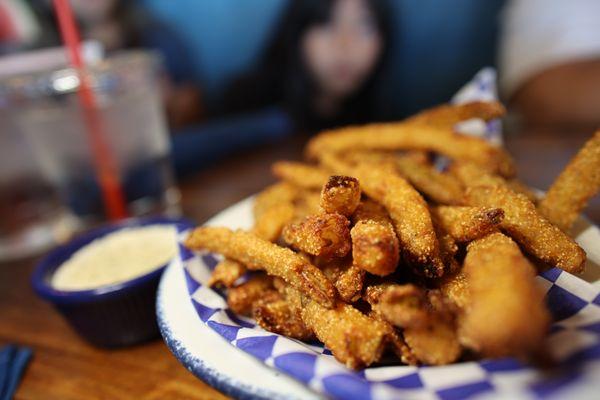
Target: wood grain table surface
<point x="65" y="367"/>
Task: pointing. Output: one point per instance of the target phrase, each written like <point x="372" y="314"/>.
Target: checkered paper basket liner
<point x="574" y="338"/>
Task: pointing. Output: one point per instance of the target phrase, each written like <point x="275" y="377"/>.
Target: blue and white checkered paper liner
<point x="574" y="338"/>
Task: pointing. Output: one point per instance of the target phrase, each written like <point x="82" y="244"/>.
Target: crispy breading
<point x="407" y="136"/>
<point x="326" y="235"/>
<point x="274" y="313"/>
<point x="281" y="192"/>
<point x="519" y="187"/>
<point x="455" y="288"/>
<point x="271" y="221"/>
<point x="401" y="349"/>
<point x="375" y="246"/>
<point x="349" y="283"/>
<point x="226" y="273"/>
<point x="354" y="339"/>
<point x="307" y="203"/>
<point x="241" y="298"/>
<point x="576" y="184"/>
<point x="255" y="252"/>
<point x="401" y="305"/>
<point x="408" y="210"/>
<point x="341" y="194"/>
<point x="521" y="220"/>
<point x="435" y="344"/>
<point x="465" y="224"/>
<point x="436" y="186"/>
<point x="448" y="115"/>
<point x="300" y="174"/>
<point x="502" y="290"/>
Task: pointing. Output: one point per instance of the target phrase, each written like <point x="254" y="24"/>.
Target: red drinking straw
<point x="106" y="171"/>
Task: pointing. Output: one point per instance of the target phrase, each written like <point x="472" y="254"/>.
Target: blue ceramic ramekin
<point x="113" y="315"/>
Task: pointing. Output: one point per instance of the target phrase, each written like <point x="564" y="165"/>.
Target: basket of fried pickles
<point x="369" y="248"/>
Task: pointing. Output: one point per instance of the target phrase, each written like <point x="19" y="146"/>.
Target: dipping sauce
<point x="117" y="257"/>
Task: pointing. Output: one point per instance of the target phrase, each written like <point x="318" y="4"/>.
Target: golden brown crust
<point x="375" y="246"/>
<point x="271" y="221"/>
<point x="448" y="115"/>
<point x="341" y="194"/>
<point x="241" y="298"/>
<point x="258" y="253"/>
<point x="281" y="192"/>
<point x="326" y="235"/>
<point x="349" y="283"/>
<point x="502" y="289"/>
<point x="465" y="224"/>
<point x="576" y="184"/>
<point x="407" y="136"/>
<point x="455" y="288"/>
<point x="275" y="314"/>
<point x="354" y="339"/>
<point x="521" y="220"/>
<point x="435" y="344"/>
<point x="401" y="305"/>
<point x="437" y="186"/>
<point x="300" y="174"/>
<point x="226" y="273"/>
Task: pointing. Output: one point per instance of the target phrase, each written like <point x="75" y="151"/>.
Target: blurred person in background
<point x="550" y="62"/>
<point x="321" y="66"/>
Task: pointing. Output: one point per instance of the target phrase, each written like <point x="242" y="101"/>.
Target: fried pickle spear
<point x="354" y="339"/>
<point x="455" y="288"/>
<point x="521" y="219"/>
<point x="575" y="185"/>
<point x="273" y="312"/>
<point x="326" y="235"/>
<point x="257" y="253"/>
<point x="226" y="273"/>
<point x="401" y="305"/>
<point x="448" y="115"/>
<point x="341" y="194"/>
<point x="349" y="283"/>
<point x="405" y="136"/>
<point x="502" y="289"/>
<point x="375" y="246"/>
<point x="429" y="326"/>
<point x="241" y="298"/>
<point x="273" y="209"/>
<point x="300" y="174"/>
<point x="407" y="209"/>
<point x="439" y="187"/>
<point x="465" y="224"/>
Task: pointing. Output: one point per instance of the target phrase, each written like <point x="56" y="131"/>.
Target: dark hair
<point x="281" y="77"/>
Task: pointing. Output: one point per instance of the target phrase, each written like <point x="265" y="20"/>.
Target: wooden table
<point x="64" y="367"/>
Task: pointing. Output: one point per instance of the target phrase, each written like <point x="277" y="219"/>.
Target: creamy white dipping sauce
<point x="117" y="257"/>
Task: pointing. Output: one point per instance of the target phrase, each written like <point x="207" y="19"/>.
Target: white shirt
<point x="539" y="34"/>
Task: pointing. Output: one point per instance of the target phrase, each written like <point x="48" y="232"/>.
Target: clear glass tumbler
<point x="44" y="111"/>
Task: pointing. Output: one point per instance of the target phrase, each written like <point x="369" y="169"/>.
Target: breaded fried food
<point x="271" y="221"/>
<point x="406" y="136"/>
<point x="300" y="174"/>
<point x="435" y="344"/>
<point x="502" y="289"/>
<point x="448" y="115"/>
<point x="349" y="283"/>
<point x="275" y="314"/>
<point x="455" y="288"/>
<point x="398" y="345"/>
<point x="226" y="273"/>
<point x="521" y="220"/>
<point x="326" y="235"/>
<point x="341" y="194"/>
<point x="519" y="187"/>
<point x="307" y="203"/>
<point x="576" y="184"/>
<point x="436" y="186"/>
<point x="465" y="224"/>
<point x="408" y="210"/>
<point x="241" y="298"/>
<point x="281" y="192"/>
<point x="401" y="305"/>
<point x="375" y="246"/>
<point x="354" y="339"/>
<point x="258" y="253"/>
